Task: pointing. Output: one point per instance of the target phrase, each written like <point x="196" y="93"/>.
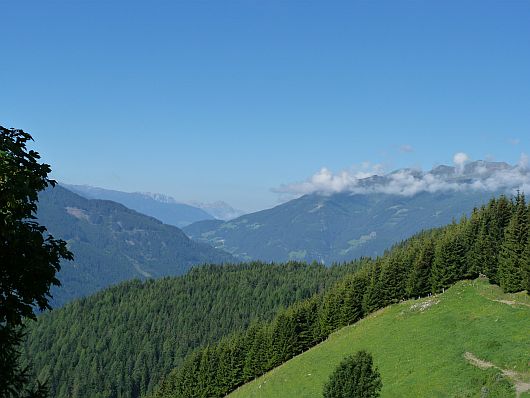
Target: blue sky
<point x="228" y="100"/>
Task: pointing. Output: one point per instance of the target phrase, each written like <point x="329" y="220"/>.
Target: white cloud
<point x="408" y="182"/>
<point x="460" y="159"/>
<point x="326" y="182"/>
<point x="523" y="161"/>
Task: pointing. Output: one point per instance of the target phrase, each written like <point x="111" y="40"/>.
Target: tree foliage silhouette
<point x="30" y="258"/>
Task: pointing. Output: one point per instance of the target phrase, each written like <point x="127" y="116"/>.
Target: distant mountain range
<point x="163" y="207"/>
<point x="365" y="219"/>
<point x="220" y="210"/>
<point x="112" y="243"/>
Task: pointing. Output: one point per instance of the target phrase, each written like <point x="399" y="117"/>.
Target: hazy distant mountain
<point x="220" y="210"/>
<point x="162" y="207"/>
<point x="112" y="243"/>
<point x="365" y="220"/>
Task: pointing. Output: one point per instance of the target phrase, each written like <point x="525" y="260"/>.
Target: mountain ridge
<point x="162" y="207"/>
<point x="112" y="243"/>
<point x="362" y="220"/>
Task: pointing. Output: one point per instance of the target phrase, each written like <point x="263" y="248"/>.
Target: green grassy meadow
<point x="419" y="347"/>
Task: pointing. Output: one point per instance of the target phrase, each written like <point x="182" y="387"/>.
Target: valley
<point x="113" y="243"/>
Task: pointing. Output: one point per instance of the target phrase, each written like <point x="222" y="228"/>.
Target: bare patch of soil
<point x="518" y="379"/>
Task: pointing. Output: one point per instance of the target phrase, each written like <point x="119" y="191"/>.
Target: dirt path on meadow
<point x="516" y="378"/>
<point x="509" y="302"/>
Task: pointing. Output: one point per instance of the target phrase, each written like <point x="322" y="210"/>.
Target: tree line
<point x="493" y="240"/>
<point x="121" y="341"/>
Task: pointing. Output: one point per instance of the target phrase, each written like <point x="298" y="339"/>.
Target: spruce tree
<point x="185" y="384"/>
<point x="511" y="255"/>
<point x="393" y="279"/>
<point x="223" y="372"/>
<point x="283" y="338"/>
<point x="450" y="259"/>
<point x="330" y="312"/>
<point x="373" y="299"/>
<point x="495" y="218"/>
<point x="503" y="208"/>
<point x="419" y="280"/>
<point x="305" y="315"/>
<point x="483" y="255"/>
<point x="526" y="267"/>
<point x="207" y="380"/>
<point x="354" y="377"/>
<point x="354" y="289"/>
<point x="257" y="352"/>
<point x="237" y="361"/>
<point x="471" y="235"/>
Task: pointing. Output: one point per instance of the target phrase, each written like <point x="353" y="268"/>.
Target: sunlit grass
<point x="419" y="348"/>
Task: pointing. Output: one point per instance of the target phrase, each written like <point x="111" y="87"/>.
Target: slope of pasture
<point x="471" y="341"/>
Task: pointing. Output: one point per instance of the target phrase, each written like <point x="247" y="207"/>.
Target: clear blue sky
<point x="226" y="100"/>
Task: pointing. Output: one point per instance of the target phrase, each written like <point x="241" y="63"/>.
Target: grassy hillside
<point x="440" y="346"/>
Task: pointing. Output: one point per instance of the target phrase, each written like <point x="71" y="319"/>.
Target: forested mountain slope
<point x="430" y="347"/>
<point x="336" y="227"/>
<point x="112" y="243"/>
<point x="494" y="241"/>
<point x="121" y="341"/>
<point x="161" y="207"/>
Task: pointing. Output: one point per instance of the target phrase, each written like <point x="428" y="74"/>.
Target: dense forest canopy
<point x="121" y="341"/>
<point x="492" y="241"/>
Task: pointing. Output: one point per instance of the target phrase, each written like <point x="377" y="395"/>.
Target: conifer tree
<point x="472" y="225"/>
<point x="495" y="218"/>
<point x="257" y="352"/>
<point x="354" y="289"/>
<point x="471" y="231"/>
<point x="392" y="279"/>
<point x="330" y="312"/>
<point x="354" y="377"/>
<point x="511" y="255"/>
<point x="419" y="280"/>
<point x="232" y="362"/>
<point x="283" y="338"/>
<point x="483" y="254"/>
<point x="526" y="267"/>
<point x="503" y="208"/>
<point x="207" y="380"/>
<point x="373" y="299"/>
<point x="305" y="315"/>
<point x="185" y="384"/>
<point x="450" y="259"/>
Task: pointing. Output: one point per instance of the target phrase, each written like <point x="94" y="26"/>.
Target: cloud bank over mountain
<point x="464" y="175"/>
